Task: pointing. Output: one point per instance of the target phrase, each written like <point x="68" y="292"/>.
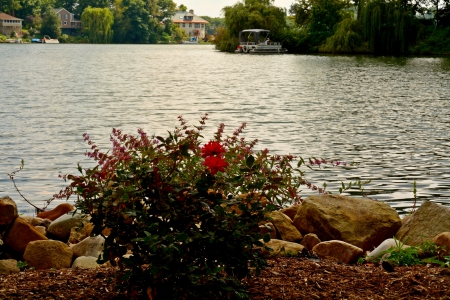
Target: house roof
<point x="4" y="16"/>
<point x="179" y="17"/>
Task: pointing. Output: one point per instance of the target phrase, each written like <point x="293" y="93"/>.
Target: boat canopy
<point x="253" y="35"/>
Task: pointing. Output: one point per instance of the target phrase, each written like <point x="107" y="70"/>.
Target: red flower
<point x="212" y="148"/>
<point x="215" y="164"/>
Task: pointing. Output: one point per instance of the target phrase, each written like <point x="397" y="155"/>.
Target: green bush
<point x="178" y="208"/>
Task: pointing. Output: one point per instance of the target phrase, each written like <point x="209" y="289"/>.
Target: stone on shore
<point x="8" y="266"/>
<point x="285" y="229"/>
<point x="361" y="222"/>
<point x="90" y="246"/>
<point x="270" y="229"/>
<point x="48" y="254"/>
<point x="291" y="211"/>
<point x="8" y="210"/>
<point x="429" y="220"/>
<point x="385" y="245"/>
<point x="85" y="262"/>
<point x="60" y="228"/>
<point x="443" y="240"/>
<point x="310" y="240"/>
<point x="20" y="234"/>
<point x="338" y="251"/>
<point x="57" y="212"/>
<point x="283" y="248"/>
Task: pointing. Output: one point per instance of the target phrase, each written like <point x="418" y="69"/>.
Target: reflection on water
<point x="389" y="114"/>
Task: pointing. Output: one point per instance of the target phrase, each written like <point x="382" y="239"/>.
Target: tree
<point x="246" y="15"/>
<point x="182" y="7"/>
<point x="82" y="4"/>
<point x="67" y="4"/>
<point x="388" y="26"/>
<point x="319" y="17"/>
<point x="213" y="24"/>
<point x="137" y="19"/>
<point x="51" y="24"/>
<point x="9" y="6"/>
<point x="97" y="23"/>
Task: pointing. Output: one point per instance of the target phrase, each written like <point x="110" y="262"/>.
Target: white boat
<point x="257" y="41"/>
<point x="48" y="40"/>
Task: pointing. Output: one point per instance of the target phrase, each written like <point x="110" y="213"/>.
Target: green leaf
<point x="250" y="161"/>
<point x="266" y="238"/>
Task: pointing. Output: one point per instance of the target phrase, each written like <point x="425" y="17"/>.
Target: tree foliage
<point x="249" y="14"/>
<point x="97" y="22"/>
<point x="51" y="24"/>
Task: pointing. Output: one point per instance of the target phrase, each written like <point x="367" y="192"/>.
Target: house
<point x="69" y="25"/>
<point x="8" y="24"/>
<point x="190" y="23"/>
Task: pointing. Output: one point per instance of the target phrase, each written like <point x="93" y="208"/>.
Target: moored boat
<point x="257" y="41"/>
<point x="48" y="40"/>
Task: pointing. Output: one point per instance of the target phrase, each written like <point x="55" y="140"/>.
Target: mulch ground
<point x="285" y="278"/>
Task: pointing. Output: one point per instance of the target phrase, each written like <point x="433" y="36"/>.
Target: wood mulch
<point x="285" y="278"/>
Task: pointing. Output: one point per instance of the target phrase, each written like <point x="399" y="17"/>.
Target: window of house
<point x="65" y="22"/>
<point x="190" y="25"/>
<point x="203" y="25"/>
<point x="59" y="16"/>
<point x="65" y="16"/>
<point x="183" y="25"/>
<point x="197" y="25"/>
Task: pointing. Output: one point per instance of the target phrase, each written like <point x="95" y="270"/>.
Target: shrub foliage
<point x="186" y="212"/>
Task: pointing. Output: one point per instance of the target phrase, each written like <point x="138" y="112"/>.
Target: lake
<point x="389" y="115"/>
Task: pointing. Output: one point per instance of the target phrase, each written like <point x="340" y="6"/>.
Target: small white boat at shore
<point x="192" y="40"/>
<point x="257" y="41"/>
<point x="48" y="40"/>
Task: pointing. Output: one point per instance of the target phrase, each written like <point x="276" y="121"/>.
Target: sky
<point x="212" y="8"/>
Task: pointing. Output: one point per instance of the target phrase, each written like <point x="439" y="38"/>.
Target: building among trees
<point x="8" y="24"/>
<point x="190" y="23"/>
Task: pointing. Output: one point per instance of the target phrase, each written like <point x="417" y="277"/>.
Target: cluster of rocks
<point x="333" y="227"/>
<point x="56" y="239"/>
<point x="344" y="228"/>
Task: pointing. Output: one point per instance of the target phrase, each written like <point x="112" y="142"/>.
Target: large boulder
<point x="338" y="251"/>
<point x="60" y="228"/>
<point x="310" y="240"/>
<point x="361" y="222"/>
<point x="8" y="266"/>
<point x="20" y="234"/>
<point x="48" y="254"/>
<point x="291" y="211"/>
<point x="90" y="246"/>
<point x="8" y="210"/>
<point x="429" y="220"/>
<point x="57" y="212"/>
<point x="284" y="227"/>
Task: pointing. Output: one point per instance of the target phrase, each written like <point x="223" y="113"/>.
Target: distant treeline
<point x="394" y="27"/>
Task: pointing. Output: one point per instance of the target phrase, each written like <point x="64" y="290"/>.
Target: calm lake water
<point x="391" y="115"/>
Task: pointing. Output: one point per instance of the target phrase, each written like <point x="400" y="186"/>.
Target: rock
<point x="8" y="266"/>
<point x="338" y="251"/>
<point x="40" y="222"/>
<point x="8" y="210"/>
<point x="91" y="246"/>
<point x="268" y="228"/>
<point x="429" y="220"/>
<point x="57" y="212"/>
<point x="41" y="229"/>
<point x="443" y="240"/>
<point x="283" y="248"/>
<point x="26" y="218"/>
<point x="385" y="245"/>
<point x="85" y="262"/>
<point x="291" y="211"/>
<point x="310" y="240"/>
<point x="48" y="254"/>
<point x="77" y="234"/>
<point x="285" y="229"/>
<point x="361" y="222"/>
<point x="60" y="228"/>
<point x="20" y="234"/>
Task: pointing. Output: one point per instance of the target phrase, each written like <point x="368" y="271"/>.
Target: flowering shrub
<point x="173" y="205"/>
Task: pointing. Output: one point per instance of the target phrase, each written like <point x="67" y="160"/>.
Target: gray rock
<point x="8" y="266"/>
<point x="338" y="251"/>
<point x="60" y="228"/>
<point x="90" y="246"/>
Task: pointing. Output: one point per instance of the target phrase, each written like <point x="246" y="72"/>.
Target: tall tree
<point x="9" y="6"/>
<point x="97" y="23"/>
<point x="51" y="24"/>
<point x="82" y="4"/>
